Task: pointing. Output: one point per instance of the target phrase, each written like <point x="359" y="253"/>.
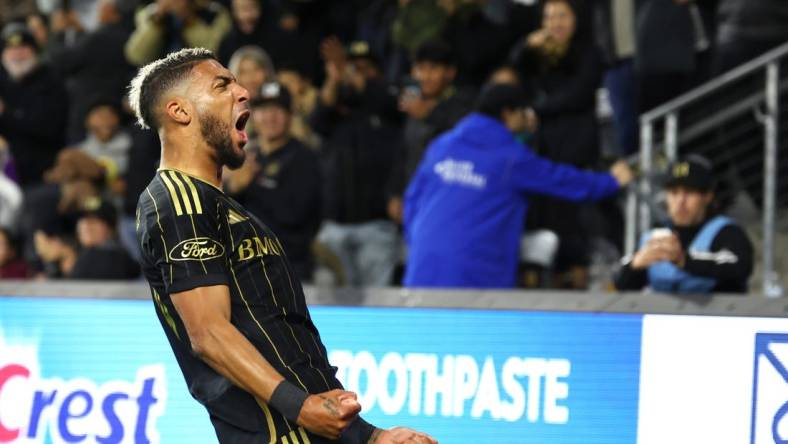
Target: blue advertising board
<point x="81" y="370"/>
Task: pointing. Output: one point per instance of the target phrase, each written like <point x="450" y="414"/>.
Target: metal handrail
<point x="715" y="83"/>
<point x="638" y="207"/>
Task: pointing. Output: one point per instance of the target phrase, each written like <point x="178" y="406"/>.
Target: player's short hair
<point x="156" y="78"/>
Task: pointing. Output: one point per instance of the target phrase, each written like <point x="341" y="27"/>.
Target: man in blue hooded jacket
<point x="465" y="206"/>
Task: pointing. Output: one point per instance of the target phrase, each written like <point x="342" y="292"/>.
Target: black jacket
<point x="286" y="196"/>
<point x="97" y="70"/>
<point x="732" y="275"/>
<point x="418" y="134"/>
<point x="360" y="142"/>
<point x="33" y="121"/>
<point x="565" y="100"/>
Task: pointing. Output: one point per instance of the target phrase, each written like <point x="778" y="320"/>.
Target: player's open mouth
<point x="240" y="124"/>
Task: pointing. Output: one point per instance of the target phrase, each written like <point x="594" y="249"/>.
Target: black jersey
<point x="193" y="235"/>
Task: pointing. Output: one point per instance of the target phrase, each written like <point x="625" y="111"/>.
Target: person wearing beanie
<point x="698" y="251"/>
<point x="474" y="184"/>
<point x="33" y="105"/>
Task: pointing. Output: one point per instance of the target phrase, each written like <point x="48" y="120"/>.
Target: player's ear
<point x="178" y="111"/>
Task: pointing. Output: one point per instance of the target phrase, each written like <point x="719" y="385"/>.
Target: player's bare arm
<point x="205" y="312"/>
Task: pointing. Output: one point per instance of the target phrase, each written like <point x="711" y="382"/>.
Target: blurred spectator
<point x="280" y="181"/>
<point x="252" y="67"/>
<point x="94" y="66"/>
<point x="143" y="161"/>
<point x="432" y="105"/>
<point x="10" y="193"/>
<point x="101" y="256"/>
<point x="14" y="9"/>
<point x="465" y="206"/>
<point x="76" y="176"/>
<point x="56" y="246"/>
<point x="614" y="29"/>
<point x="747" y="29"/>
<point x="251" y="26"/>
<point x="11" y="265"/>
<point x="375" y="21"/>
<point x="481" y="42"/>
<point x="418" y="22"/>
<point x="107" y="142"/>
<point x="304" y="96"/>
<point x="669" y="63"/>
<point x="169" y="25"/>
<point x="699" y="251"/>
<point x="33" y="105"/>
<point x="564" y="68"/>
<point x="356" y="117"/>
<point x="506" y="75"/>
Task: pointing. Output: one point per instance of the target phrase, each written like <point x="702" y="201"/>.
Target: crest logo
<point x="197" y="249"/>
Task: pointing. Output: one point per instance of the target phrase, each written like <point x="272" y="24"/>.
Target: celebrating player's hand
<point x="329" y="413"/>
<point x="401" y="435"/>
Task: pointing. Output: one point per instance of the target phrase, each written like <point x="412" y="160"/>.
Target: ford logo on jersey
<point x="770" y="390"/>
<point x="197" y="249"/>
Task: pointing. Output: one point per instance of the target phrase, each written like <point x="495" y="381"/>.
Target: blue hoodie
<point x="465" y="205"/>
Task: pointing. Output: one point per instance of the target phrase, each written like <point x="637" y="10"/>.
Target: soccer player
<point x="224" y="292"/>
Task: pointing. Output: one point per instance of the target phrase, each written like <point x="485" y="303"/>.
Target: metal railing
<point x="719" y="127"/>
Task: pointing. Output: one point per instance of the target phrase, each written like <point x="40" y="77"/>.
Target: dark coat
<point x="565" y="101"/>
<point x="286" y="196"/>
<point x="33" y="121"/>
<point x="97" y="70"/>
<point x="360" y="142"/>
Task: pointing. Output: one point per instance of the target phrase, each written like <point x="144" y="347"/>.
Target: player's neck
<point x="190" y="156"/>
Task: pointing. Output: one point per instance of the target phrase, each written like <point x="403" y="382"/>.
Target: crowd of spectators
<point x="346" y="96"/>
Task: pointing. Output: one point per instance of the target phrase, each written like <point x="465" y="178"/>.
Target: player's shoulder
<point x="173" y="193"/>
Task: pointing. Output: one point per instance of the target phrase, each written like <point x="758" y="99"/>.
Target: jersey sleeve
<point x="183" y="241"/>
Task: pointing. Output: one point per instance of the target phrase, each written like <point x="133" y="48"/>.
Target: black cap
<point x="17" y="34"/>
<point x="273" y="93"/>
<point x="495" y="97"/>
<point x="100" y="209"/>
<point x="361" y="50"/>
<point x="692" y="171"/>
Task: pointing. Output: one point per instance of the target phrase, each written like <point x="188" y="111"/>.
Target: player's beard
<point x="218" y="136"/>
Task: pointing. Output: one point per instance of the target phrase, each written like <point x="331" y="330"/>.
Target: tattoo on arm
<point x="330" y="405"/>
<point x="375" y="435"/>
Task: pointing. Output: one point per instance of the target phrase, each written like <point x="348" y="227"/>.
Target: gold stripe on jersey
<point x="182" y="189"/>
<point x="308" y="355"/>
<point x="195" y="196"/>
<point x="294" y="437"/>
<point x="304" y="437"/>
<point x="161" y="230"/>
<point x="173" y="194"/>
<point x="269" y="419"/>
<point x="259" y="325"/>
<point x="165" y="312"/>
<point x="234" y="217"/>
<point x="285" y="440"/>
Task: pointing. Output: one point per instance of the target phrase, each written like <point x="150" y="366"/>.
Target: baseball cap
<point x="496" y="97"/>
<point x="692" y="171"/>
<point x="17" y="34"/>
<point x="100" y="209"/>
<point x="361" y="50"/>
<point x="273" y="93"/>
